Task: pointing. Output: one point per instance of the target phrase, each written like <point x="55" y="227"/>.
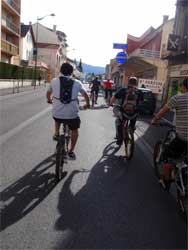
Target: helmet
<point x="133" y="81"/>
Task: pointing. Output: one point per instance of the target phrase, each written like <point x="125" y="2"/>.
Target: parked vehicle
<point x="148" y="105"/>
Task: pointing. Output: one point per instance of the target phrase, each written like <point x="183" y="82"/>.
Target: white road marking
<point x="9" y="134"/>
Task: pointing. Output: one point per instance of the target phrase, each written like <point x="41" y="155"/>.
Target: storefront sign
<point x="39" y="64"/>
<point x="179" y="70"/>
<point x="156" y="86"/>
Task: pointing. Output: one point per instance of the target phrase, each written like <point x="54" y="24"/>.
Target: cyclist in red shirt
<point x="108" y="84"/>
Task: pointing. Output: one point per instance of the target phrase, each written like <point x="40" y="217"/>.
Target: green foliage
<point x="10" y="71"/>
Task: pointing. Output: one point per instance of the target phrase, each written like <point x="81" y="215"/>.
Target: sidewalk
<point x="15" y="86"/>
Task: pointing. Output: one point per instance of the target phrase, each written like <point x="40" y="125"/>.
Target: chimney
<point x="54" y="28"/>
<point x="165" y="19"/>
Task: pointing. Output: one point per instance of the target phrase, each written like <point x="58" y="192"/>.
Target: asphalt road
<point x="103" y="202"/>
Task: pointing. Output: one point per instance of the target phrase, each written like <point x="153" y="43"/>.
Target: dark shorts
<point x="176" y="148"/>
<point x="73" y="124"/>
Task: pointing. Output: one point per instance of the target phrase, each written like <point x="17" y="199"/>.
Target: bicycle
<point x="62" y="150"/>
<point x="179" y="171"/>
<point x="92" y="97"/>
<point x="128" y="132"/>
<point x="108" y="95"/>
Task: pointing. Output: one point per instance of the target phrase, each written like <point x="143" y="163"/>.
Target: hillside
<point x="92" y="69"/>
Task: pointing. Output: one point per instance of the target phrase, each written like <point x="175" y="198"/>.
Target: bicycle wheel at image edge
<point x="92" y="97"/>
<point x="60" y="158"/>
<point x="128" y="143"/>
<point x="182" y="204"/>
<point x="157" y="158"/>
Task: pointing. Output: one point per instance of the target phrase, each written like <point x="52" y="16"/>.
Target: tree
<point x="80" y="68"/>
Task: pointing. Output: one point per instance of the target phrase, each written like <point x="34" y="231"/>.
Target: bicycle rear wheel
<point x="159" y="165"/>
<point x="60" y="157"/>
<point x="128" y="138"/>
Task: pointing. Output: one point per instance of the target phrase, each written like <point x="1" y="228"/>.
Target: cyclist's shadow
<point x="76" y="210"/>
<point x="24" y="195"/>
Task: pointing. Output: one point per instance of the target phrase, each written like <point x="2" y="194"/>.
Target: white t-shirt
<point x="70" y="110"/>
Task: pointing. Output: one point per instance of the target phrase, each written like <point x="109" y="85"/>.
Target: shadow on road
<point x="24" y="195"/>
<point x="117" y="205"/>
<point x="82" y="213"/>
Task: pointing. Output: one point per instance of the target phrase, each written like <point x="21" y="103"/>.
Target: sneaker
<point x="55" y="137"/>
<point x="165" y="184"/>
<point x="119" y="142"/>
<point x="72" y="155"/>
<point x="133" y="129"/>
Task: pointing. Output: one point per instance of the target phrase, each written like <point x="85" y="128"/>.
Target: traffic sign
<point x="121" y="57"/>
<point x="120" y="46"/>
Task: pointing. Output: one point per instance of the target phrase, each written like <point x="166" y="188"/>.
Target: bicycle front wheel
<point x="157" y="159"/>
<point x="128" y="138"/>
<point x="60" y="157"/>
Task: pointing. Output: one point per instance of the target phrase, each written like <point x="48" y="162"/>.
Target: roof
<point x="24" y="29"/>
<point x="45" y="35"/>
<point x="146" y="33"/>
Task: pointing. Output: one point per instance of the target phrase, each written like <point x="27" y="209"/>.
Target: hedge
<point x="10" y="71"/>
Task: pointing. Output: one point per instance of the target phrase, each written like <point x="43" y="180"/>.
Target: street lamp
<point x="36" y="46"/>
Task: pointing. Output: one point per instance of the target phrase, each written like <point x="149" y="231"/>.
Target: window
<point x="185" y="32"/>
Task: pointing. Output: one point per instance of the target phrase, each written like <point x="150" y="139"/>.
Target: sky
<point x="92" y="26"/>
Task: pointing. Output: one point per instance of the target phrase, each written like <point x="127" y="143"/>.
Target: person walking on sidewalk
<point x="179" y="144"/>
<point x="64" y="92"/>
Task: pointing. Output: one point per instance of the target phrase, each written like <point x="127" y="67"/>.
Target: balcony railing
<point x="9" y="48"/>
<point x="13" y="4"/>
<point x="6" y="22"/>
<point x="145" y="53"/>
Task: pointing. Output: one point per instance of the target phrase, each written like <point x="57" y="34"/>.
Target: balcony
<point x="145" y="53"/>
<point x="9" y="24"/>
<point x="11" y="5"/>
<point x="9" y="48"/>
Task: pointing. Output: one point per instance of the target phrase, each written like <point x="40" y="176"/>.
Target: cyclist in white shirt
<point x="66" y="112"/>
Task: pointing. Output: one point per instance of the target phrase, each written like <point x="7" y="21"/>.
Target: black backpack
<point x="66" y="85"/>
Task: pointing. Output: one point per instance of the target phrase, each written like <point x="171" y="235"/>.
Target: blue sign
<point x="120" y="46"/>
<point x="121" y="57"/>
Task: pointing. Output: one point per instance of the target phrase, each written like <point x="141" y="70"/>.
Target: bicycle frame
<point x="62" y="150"/>
<point x="93" y="97"/>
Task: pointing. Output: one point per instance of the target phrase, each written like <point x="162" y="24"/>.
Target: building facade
<point x="177" y="50"/>
<point x="144" y="57"/>
<point x="51" y="47"/>
<point x="27" y="42"/>
<point x="10" y="31"/>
